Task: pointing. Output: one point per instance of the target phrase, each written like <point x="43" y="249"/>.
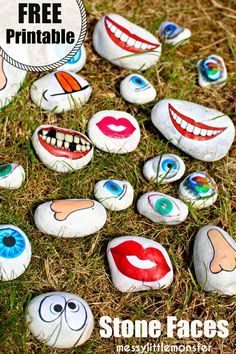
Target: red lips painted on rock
<point x="105" y="126"/>
<point x="120" y="255"/>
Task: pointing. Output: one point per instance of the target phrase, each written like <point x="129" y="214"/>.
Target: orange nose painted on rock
<point x="67" y="82"/>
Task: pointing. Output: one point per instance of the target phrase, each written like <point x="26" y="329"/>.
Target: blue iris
<point x="114" y="188"/>
<point x="12" y="243"/>
<point x="170" y="30"/>
<point x="75" y="58"/>
<point x="139" y="82"/>
<point x="169" y="165"/>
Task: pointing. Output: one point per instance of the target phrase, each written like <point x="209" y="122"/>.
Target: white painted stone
<point x="214" y="258"/>
<point x="136" y="89"/>
<point x="201" y="132"/>
<point x="76" y="63"/>
<point x="62" y="150"/>
<point x="114" y="194"/>
<point x="174" y="34"/>
<point x="212" y="71"/>
<point x="60" y="91"/>
<point x="137" y="263"/>
<point x="12" y="176"/>
<point x="162" y="208"/>
<point x="11" y="79"/>
<point x="125" y="44"/>
<point x="70" y="217"/>
<point x="114" y="131"/>
<point x="60" y="319"/>
<point x="164" y="168"/>
<point x="198" y="189"/>
<point x="15" y="252"/>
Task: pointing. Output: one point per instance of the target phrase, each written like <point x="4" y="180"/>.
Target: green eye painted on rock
<point x="5" y="170"/>
<point x="164" y="206"/>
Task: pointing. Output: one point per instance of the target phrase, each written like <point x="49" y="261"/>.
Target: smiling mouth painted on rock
<point x="117" y="128"/>
<point x="127" y="40"/>
<point x="191" y="129"/>
<point x="64" y="143"/>
<point x="136" y="262"/>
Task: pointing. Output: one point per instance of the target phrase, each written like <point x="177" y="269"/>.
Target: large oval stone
<point x="70" y="217"/>
<point x="201" y="132"/>
<point x="125" y="44"/>
<point x="214" y="258"/>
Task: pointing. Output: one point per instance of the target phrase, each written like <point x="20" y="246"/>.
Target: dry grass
<point x="80" y="265"/>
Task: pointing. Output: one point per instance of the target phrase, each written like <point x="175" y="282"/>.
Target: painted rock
<point x="125" y="44"/>
<point x="114" y="194"/>
<point x="114" y="131"/>
<point x="173" y="33"/>
<point x="212" y="71"/>
<point x="11" y="79"/>
<point x="199" y="189"/>
<point x="214" y="256"/>
<point x="201" y="132"/>
<point x="76" y="63"/>
<point x="164" y="168"/>
<point x="70" y="217"/>
<point x="137" y="263"/>
<point x="15" y="252"/>
<point x="12" y="176"/>
<point x="136" y="89"/>
<point x="62" y="150"/>
<point x="60" y="319"/>
<point x="162" y="209"/>
<point x="60" y="91"/>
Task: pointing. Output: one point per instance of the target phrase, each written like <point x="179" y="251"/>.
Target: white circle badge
<point x="42" y="35"/>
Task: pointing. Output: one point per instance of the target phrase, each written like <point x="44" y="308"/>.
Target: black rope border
<point x="64" y="60"/>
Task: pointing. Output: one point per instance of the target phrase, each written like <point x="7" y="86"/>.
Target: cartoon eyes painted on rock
<point x="163" y="206"/>
<point x="5" y="170"/>
<point x="212" y="68"/>
<point x="72" y="311"/>
<point x="114" y="188"/>
<point x="12" y="243"/>
<point x="138" y="83"/>
<point x="75" y="58"/>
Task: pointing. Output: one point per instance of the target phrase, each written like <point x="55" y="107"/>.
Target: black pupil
<point x="9" y="241"/>
<point x="3" y="168"/>
<point x="139" y="81"/>
<point x="57" y="308"/>
<point x="72" y="305"/>
<point x="114" y="187"/>
<point x="169" y="165"/>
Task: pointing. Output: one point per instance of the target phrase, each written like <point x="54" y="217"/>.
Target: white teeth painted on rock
<point x="62" y="150"/>
<point x="120" y="41"/>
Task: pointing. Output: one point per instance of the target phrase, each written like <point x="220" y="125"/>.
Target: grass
<point x="79" y="265"/>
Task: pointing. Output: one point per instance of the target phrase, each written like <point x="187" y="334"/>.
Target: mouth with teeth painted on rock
<point x="191" y="129"/>
<point x="127" y="40"/>
<point x="64" y="143"/>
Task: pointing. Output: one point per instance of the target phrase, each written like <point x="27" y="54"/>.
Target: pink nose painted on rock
<point x="3" y="78"/>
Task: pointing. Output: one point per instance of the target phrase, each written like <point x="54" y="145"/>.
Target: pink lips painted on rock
<point x="191" y="129"/>
<point x="108" y="127"/>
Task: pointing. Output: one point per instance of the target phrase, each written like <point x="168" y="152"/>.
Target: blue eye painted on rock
<point x="12" y="243"/>
<point x="139" y="83"/>
<point x="170" y="166"/>
<point x="170" y="30"/>
<point x="113" y="188"/>
<point x="75" y="58"/>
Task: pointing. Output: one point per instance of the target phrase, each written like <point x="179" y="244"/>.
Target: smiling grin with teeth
<point x="64" y="143"/>
<point x="127" y="40"/>
<point x="191" y="129"/>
